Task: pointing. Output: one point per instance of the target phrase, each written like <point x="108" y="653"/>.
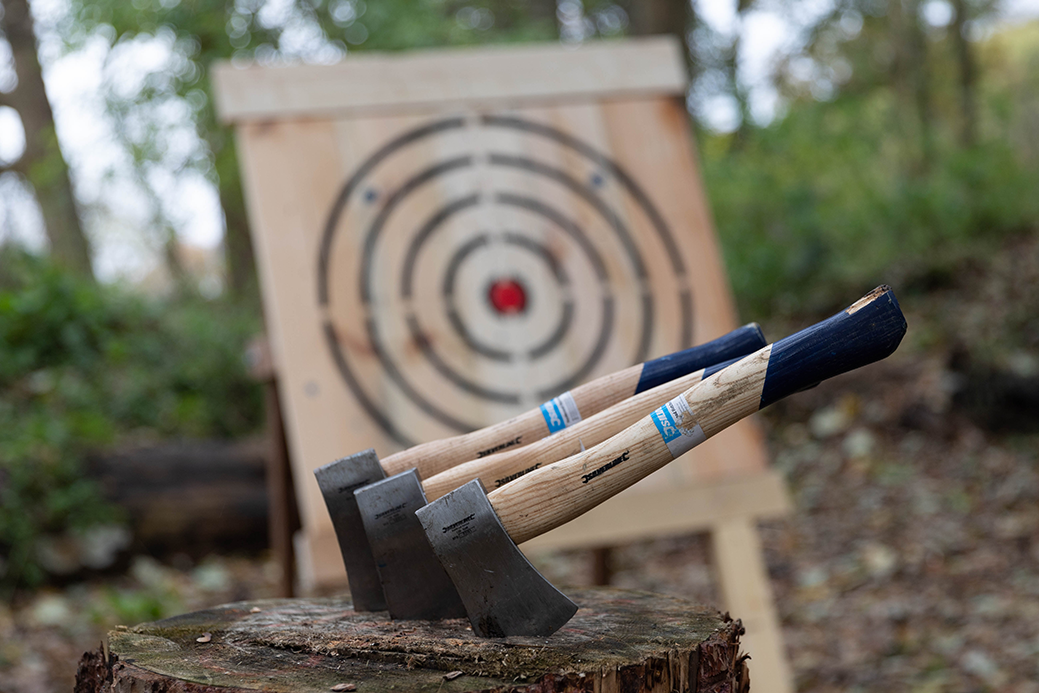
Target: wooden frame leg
<point x="745" y="589"/>
<point x="602" y="566"/>
<point x="283" y="518"/>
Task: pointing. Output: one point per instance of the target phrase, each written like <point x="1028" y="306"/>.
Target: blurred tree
<point x="834" y="194"/>
<point x="648" y="17"/>
<point x="967" y="72"/>
<point x="199" y="33"/>
<point x="42" y="162"/>
<point x="918" y="52"/>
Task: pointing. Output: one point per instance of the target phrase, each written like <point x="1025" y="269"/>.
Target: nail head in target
<point x="507" y="296"/>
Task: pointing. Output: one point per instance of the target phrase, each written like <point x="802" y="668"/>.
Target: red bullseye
<point x="507" y="296"/>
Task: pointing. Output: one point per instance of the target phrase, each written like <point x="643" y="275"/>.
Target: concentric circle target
<point x="472" y="268"/>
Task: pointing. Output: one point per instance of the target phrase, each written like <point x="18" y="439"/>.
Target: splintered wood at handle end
<point x="869" y="298"/>
<point x="867" y="331"/>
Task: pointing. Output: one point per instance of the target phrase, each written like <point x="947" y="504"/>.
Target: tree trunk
<point x="911" y="80"/>
<point x="968" y="75"/>
<point x="618" y="641"/>
<point x="652" y="17"/>
<point x="543" y="10"/>
<point x="42" y="163"/>
<point x="921" y="81"/>
<point x="190" y="497"/>
<point x="238" y="245"/>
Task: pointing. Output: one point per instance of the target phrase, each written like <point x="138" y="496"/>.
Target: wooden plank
<point x="598" y="140"/>
<point x="294" y="171"/>
<point x="745" y="589"/>
<point x="451" y="78"/>
<point x="298" y="161"/>
<point x="632" y="516"/>
<point x="651" y="137"/>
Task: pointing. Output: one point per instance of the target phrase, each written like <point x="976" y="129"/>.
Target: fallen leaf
<point x="453" y="675"/>
<point x="343" y="687"/>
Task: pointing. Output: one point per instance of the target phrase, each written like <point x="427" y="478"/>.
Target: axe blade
<point x="503" y="593"/>
<point x="413" y="581"/>
<point x="338" y="481"/>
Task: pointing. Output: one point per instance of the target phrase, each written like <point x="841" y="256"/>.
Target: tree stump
<point x="619" y="641"/>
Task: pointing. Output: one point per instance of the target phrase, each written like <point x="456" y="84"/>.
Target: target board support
<point x="446" y="239"/>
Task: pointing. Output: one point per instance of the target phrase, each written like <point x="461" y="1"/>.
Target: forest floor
<point x="909" y="563"/>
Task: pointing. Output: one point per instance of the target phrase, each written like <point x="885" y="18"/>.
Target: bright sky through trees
<point x="116" y="211"/>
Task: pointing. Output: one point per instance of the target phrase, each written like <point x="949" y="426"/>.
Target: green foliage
<point x="838" y="196"/>
<point x="201" y="32"/>
<point x="82" y="367"/>
<point x="128" y="606"/>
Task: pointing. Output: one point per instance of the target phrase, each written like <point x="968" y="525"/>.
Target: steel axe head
<point x="503" y="593"/>
<point x="413" y="580"/>
<point x="338" y="481"/>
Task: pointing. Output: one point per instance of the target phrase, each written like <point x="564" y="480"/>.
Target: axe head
<point x="502" y="592"/>
<point x="338" y="481"/>
<point x="413" y="581"/>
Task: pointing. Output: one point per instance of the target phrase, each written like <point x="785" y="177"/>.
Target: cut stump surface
<point x="618" y="641"/>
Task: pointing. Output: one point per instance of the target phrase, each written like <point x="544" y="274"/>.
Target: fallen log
<point x="189" y="496"/>
<point x="618" y="641"/>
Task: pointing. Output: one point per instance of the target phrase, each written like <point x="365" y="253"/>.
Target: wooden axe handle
<point x="436" y="456"/>
<point x="544" y="499"/>
<point x="588" y="399"/>
<point x="497" y="470"/>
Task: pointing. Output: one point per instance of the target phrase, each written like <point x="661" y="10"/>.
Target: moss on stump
<point x="619" y="641"/>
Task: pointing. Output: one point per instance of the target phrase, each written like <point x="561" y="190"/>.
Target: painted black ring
<point x="629" y="184"/>
<point x="428" y="175"/>
<point x="440" y="126"/>
<point x="424" y="343"/>
<point x="448" y="292"/>
<point x="324" y="257"/>
<point x="569" y="227"/>
<point x="587" y="194"/>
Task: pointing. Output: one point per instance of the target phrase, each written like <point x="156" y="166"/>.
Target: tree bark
<point x="190" y="497"/>
<point x="542" y="10"/>
<point x="239" y="257"/>
<point x="911" y="79"/>
<point x="43" y="163"/>
<point x="656" y="17"/>
<point x="652" y="17"/>
<point x="921" y="81"/>
<point x="968" y="75"/>
<point x="618" y="641"/>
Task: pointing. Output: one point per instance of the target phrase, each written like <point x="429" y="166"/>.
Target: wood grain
<point x="294" y="167"/>
<point x="870" y="330"/>
<point x="619" y="640"/>
<point x="435" y="457"/>
<point x="451" y="78"/>
<point x="539" y="502"/>
<point x="497" y="470"/>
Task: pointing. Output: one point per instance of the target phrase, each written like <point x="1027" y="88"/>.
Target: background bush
<point x="85" y="366"/>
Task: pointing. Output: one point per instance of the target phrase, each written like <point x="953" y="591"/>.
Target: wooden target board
<point x="451" y="238"/>
<point x="489" y="263"/>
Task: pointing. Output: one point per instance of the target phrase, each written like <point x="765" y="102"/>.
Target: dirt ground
<point x="910" y="562"/>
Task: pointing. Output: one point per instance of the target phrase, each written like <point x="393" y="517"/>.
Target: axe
<point x="475" y="534"/>
<point x="413" y="581"/>
<point x="338" y="480"/>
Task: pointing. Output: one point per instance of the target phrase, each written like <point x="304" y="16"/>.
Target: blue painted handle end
<point x="867" y="331"/>
<point x="740" y="342"/>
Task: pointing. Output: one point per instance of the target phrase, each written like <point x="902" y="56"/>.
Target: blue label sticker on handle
<point x="560" y="412"/>
<point x="678" y="427"/>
